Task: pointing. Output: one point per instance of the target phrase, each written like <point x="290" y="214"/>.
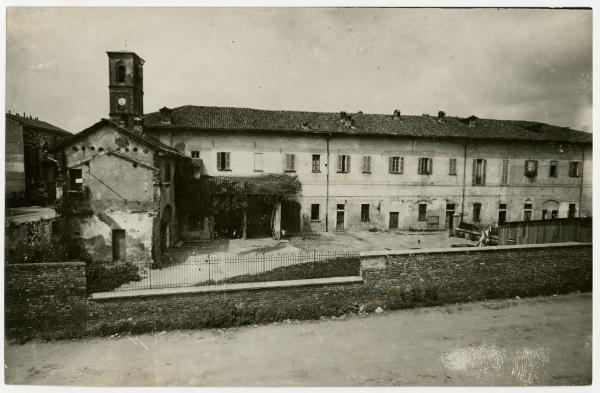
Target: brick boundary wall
<point x="49" y="300"/>
<point x="392" y="279"/>
<point x="45" y="300"/>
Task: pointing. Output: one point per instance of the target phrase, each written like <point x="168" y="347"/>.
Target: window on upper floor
<point x="553" y="170"/>
<point x="425" y="166"/>
<point x="75" y="179"/>
<point x="314" y="212"/>
<point x="195" y="154"/>
<point x="343" y="163"/>
<point x="396" y="165"/>
<point x="479" y="169"/>
<point x="531" y="167"/>
<point x="575" y="169"/>
<point x="316" y="163"/>
<point x="477" y="211"/>
<point x="366" y="164"/>
<point x="364" y="212"/>
<point x="167" y="172"/>
<point x="422" y="212"/>
<point x="504" y="172"/>
<point x="289" y="162"/>
<point x="452" y="166"/>
<point x="258" y="162"/>
<point x="223" y="161"/>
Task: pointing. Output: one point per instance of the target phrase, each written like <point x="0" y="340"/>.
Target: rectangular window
<point x="314" y="212"/>
<point x="223" y="161"/>
<point x="316" y="163"/>
<point x="364" y="212"/>
<point x="479" y="167"/>
<point x="544" y="214"/>
<point x="366" y="167"/>
<point x="452" y="166"/>
<point x="195" y="154"/>
<point x="504" y="173"/>
<point x="75" y="179"/>
<point x="476" y="211"/>
<point x="531" y="168"/>
<point x="553" y="169"/>
<point x="422" y="212"/>
<point x="501" y="213"/>
<point x="425" y="166"/>
<point x="396" y="164"/>
<point x="167" y="172"/>
<point x="343" y="163"/>
<point x="575" y="169"/>
<point x="527" y="211"/>
<point x="572" y="210"/>
<point x="258" y="162"/>
<point x="290" y="162"/>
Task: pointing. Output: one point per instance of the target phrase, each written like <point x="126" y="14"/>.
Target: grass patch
<point x="335" y="267"/>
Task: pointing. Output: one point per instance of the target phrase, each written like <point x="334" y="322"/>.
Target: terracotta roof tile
<point x="246" y="119"/>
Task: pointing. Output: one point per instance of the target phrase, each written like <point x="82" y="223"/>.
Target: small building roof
<point x="426" y="126"/>
<point x="147" y="140"/>
<point x="36" y="123"/>
<point x="22" y="215"/>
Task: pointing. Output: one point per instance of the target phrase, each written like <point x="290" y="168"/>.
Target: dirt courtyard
<point x="531" y="341"/>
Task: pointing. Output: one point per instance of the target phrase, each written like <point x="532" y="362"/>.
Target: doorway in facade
<point x="290" y="216"/>
<point x="393" y="220"/>
<point x="118" y="245"/>
<point x="340" y="215"/>
<point x="450" y="210"/>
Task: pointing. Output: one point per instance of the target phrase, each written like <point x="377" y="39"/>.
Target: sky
<point x="505" y="64"/>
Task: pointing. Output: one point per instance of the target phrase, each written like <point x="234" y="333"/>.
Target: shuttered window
<point x="479" y="167"/>
<point x="258" y="162"/>
<point x="316" y="163"/>
<point x="223" y="161"/>
<point x="452" y="166"/>
<point x="343" y="163"/>
<point x="290" y="162"/>
<point x="575" y="169"/>
<point x="504" y="172"/>
<point x="425" y="166"/>
<point x="366" y="164"/>
<point x="396" y="164"/>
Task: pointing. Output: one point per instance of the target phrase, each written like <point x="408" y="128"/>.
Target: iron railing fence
<point x="210" y="270"/>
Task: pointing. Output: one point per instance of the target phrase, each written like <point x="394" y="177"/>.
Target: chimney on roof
<point x="166" y="116"/>
<point x="441" y="114"/>
<point x="138" y="124"/>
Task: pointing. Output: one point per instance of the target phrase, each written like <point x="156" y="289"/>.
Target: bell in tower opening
<point x="126" y="89"/>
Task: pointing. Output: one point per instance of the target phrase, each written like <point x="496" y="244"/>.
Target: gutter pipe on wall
<point x="581" y="181"/>
<point x="462" y="202"/>
<point x="327" y="189"/>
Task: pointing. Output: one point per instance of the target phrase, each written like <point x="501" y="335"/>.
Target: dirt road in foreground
<point x="533" y="341"/>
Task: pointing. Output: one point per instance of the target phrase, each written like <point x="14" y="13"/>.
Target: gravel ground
<point x="532" y="341"/>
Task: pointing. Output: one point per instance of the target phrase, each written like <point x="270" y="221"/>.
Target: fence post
<point x="208" y="262"/>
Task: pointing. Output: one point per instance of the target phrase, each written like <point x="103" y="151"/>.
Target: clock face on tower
<point x="121" y="101"/>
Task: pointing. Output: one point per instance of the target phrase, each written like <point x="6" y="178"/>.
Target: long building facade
<point x="386" y="172"/>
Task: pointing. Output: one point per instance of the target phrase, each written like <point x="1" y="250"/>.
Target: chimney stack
<point x="166" y="116"/>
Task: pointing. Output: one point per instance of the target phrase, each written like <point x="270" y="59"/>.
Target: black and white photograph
<point x="317" y="195"/>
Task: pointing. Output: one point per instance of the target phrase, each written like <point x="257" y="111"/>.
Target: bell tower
<point x="126" y="89"/>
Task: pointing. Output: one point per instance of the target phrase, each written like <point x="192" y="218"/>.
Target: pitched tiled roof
<point x="246" y="119"/>
<point x="34" y="122"/>
<point x="147" y="140"/>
